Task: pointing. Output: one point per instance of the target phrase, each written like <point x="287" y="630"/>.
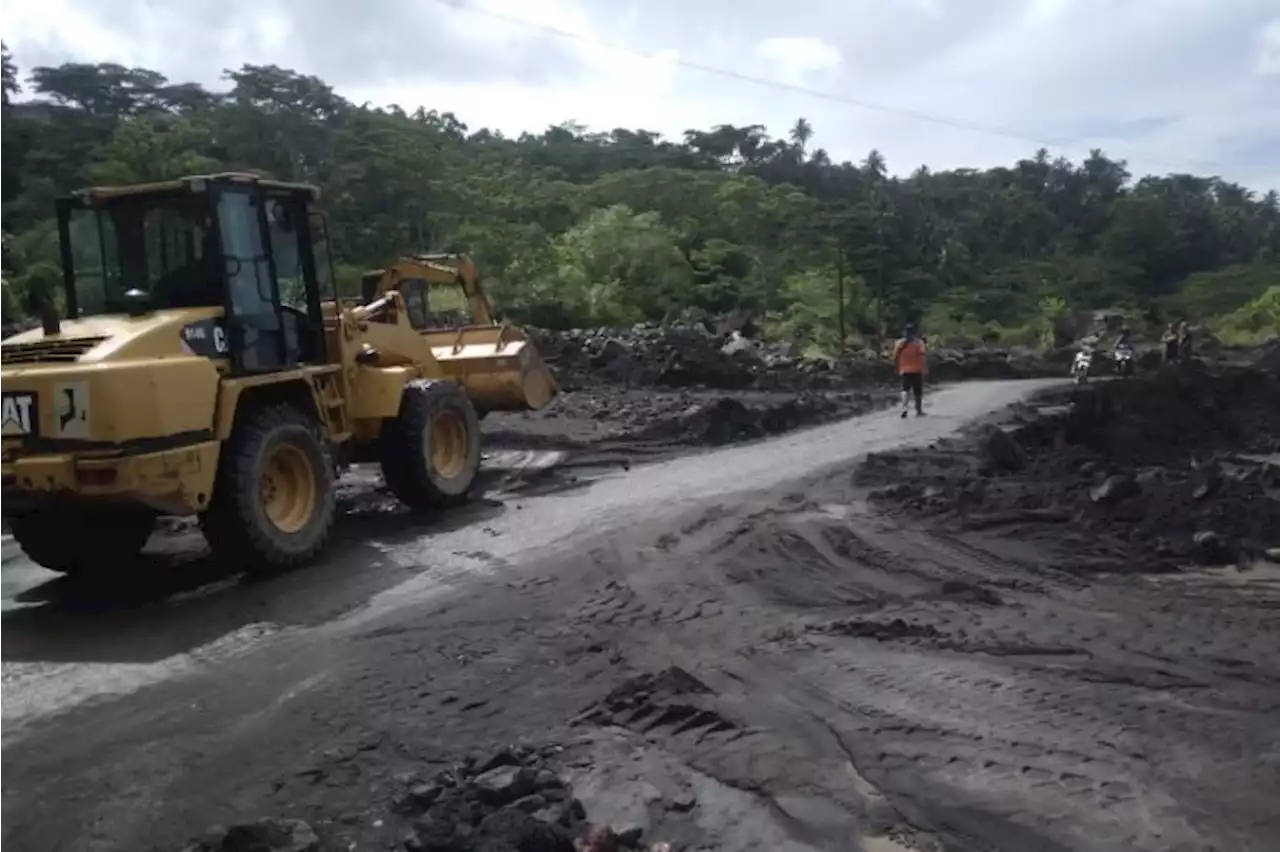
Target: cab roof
<point x="192" y="183"/>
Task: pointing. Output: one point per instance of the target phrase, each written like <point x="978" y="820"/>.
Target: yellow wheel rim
<point x="447" y="444"/>
<point x="288" y="488"/>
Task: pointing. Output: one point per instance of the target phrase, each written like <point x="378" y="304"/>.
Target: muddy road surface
<point x="732" y="650"/>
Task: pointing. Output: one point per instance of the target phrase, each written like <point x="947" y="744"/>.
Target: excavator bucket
<point x="498" y="365"/>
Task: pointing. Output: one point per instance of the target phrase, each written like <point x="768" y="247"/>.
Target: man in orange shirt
<point x="909" y="358"/>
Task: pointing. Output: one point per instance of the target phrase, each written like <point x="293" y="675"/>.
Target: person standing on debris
<point x="1170" y="340"/>
<point x="1184" y="342"/>
<point x="909" y="358"/>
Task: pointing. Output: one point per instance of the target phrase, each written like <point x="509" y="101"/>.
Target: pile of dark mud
<point x="690" y="355"/>
<point x="512" y="801"/>
<point x="1153" y="474"/>
<point x="615" y="417"/>
<point x="670" y="356"/>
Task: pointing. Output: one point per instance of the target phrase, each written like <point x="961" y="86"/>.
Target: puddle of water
<point x="1273" y="458"/>
<point x="36" y="690"/>
<point x="523" y="459"/>
<point x="10" y="550"/>
<point x="19" y="574"/>
<point x="1258" y="576"/>
<point x="880" y="843"/>
<point x="1255" y="573"/>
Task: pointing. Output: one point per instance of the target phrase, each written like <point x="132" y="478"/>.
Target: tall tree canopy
<point x="571" y="226"/>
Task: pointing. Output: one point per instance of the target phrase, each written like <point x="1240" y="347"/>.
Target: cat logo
<point x="19" y="413"/>
<point x="71" y="410"/>
<point x="207" y="338"/>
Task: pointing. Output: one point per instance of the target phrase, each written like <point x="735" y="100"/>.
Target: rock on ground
<point x="510" y="801"/>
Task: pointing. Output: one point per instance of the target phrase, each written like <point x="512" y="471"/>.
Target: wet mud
<point x="649" y="424"/>
<point x="1153" y="475"/>
<point x="976" y="644"/>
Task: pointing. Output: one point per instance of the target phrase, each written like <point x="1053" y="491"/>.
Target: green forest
<point x="574" y="228"/>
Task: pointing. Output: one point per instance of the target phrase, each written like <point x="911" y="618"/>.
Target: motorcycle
<point x="1124" y="361"/>
<point x="1080" y="366"/>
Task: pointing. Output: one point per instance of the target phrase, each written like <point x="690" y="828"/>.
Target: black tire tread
<point x="231" y="525"/>
<point x="406" y="465"/>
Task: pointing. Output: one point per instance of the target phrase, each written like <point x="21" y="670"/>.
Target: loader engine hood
<point x="112" y="383"/>
<point x="115" y="337"/>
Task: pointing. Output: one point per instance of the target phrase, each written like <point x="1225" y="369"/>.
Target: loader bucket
<point x="498" y="366"/>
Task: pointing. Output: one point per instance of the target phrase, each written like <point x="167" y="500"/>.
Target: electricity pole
<point x="840" y="295"/>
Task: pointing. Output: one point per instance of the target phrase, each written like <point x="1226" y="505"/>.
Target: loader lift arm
<point x="497" y="363"/>
<point x="457" y="269"/>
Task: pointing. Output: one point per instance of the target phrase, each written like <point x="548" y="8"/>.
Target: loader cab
<point x="430" y="305"/>
<point x="232" y="241"/>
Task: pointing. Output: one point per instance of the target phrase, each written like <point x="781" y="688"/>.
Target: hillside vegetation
<point x="578" y="228"/>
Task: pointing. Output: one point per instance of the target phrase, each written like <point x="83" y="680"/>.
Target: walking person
<point x="909" y="358"/>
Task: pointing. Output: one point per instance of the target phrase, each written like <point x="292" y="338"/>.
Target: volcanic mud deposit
<point x="685" y="356"/>
<point x="1151" y="475"/>
<point x="511" y="801"/>
<point x="645" y="425"/>
<point x="650" y="393"/>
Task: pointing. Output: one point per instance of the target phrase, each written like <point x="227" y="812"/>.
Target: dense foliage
<point x="575" y="228"/>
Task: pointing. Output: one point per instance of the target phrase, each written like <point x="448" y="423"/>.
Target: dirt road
<point x="731" y="650"/>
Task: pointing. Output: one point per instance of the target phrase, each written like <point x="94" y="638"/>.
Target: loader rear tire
<point x="84" y="539"/>
<point x="274" y="499"/>
<point x="431" y="450"/>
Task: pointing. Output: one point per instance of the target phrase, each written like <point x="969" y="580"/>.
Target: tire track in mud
<point x="994" y="703"/>
<point x="812" y="717"/>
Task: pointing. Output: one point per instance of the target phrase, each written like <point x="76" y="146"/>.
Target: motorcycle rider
<point x="1084" y="356"/>
<point x="909" y="358"/>
<point x="1124" y="343"/>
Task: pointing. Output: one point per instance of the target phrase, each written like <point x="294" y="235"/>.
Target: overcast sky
<point x="1169" y="85"/>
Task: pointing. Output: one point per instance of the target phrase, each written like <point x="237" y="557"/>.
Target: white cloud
<point x="800" y="60"/>
<point x="1169" y="85"/>
<point x="1269" y="49"/>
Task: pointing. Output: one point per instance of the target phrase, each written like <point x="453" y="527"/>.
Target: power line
<point x="870" y="106"/>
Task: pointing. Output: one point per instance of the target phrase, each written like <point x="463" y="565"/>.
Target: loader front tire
<point x="431" y="449"/>
<point x="83" y="539"/>
<point x="274" y="499"/>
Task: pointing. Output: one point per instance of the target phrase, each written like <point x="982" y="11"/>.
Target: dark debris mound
<point x="726" y="420"/>
<point x="513" y="801"/>
<point x="692" y="355"/>
<point x="510" y="801"/>
<point x="603" y="415"/>
<point x="1150" y="474"/>
<point x="646" y="355"/>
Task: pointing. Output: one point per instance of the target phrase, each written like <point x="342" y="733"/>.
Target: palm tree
<point x="874" y="166"/>
<point x="801" y="133"/>
<point x="10" y="73"/>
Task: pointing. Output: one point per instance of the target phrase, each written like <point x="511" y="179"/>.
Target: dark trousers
<point x="913" y="383"/>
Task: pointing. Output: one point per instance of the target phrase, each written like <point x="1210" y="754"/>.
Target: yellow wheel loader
<point x="446" y="303"/>
<point x="201" y="369"/>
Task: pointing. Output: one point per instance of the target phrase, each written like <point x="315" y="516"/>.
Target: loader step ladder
<point x="335" y="408"/>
